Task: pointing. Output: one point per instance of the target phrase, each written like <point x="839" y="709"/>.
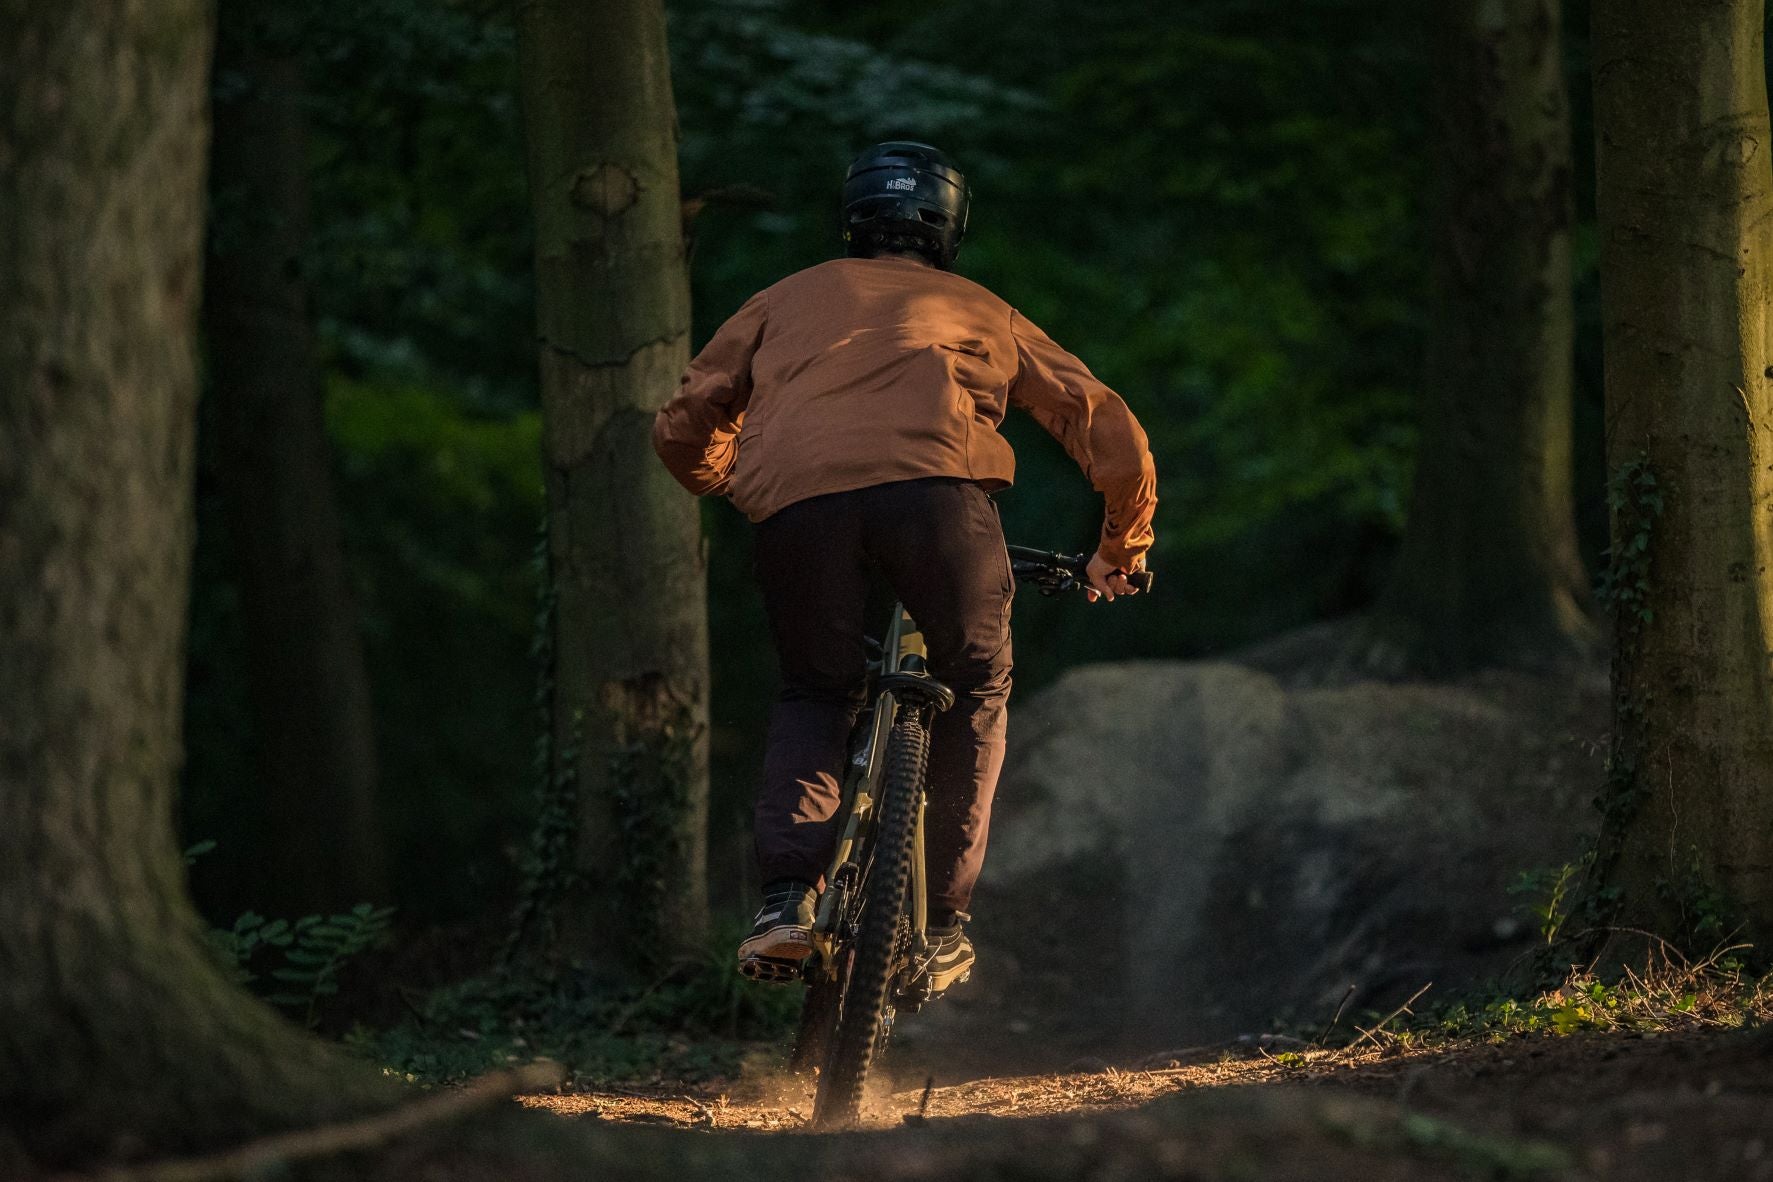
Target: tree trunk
<point x="119" y="1035"/>
<point x="314" y="742"/>
<point x="1489" y="573"/>
<point x="630" y="631"/>
<point x="1685" y="203"/>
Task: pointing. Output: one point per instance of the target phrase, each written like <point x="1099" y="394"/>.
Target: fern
<point x="314" y="950"/>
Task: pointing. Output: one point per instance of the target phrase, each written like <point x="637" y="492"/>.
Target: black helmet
<point x="903" y="195"/>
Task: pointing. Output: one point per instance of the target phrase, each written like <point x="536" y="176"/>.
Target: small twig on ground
<point x="1372" y="1035"/>
<point x="922" y="1115"/>
<point x="1242" y="1042"/>
<point x="702" y="1109"/>
<point x="1670" y="953"/>
<point x="260" y="1157"/>
<point x="1337" y="1017"/>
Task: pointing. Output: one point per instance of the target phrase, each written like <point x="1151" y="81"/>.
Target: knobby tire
<point x="864" y="1003"/>
<point x="818" y="1019"/>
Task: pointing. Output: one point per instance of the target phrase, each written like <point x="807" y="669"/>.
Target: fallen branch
<point x="922" y="1115"/>
<point x="1270" y="1057"/>
<point x="702" y="1110"/>
<point x="257" y="1157"/>
<point x="1325" y="1032"/>
<point x="1372" y="1034"/>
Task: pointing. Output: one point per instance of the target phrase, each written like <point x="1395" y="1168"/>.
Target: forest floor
<point x="1671" y="1105"/>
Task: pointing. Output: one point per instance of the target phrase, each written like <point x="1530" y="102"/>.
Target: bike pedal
<point x="767" y="970"/>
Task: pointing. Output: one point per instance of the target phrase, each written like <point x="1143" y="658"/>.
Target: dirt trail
<point x="1694" y="1104"/>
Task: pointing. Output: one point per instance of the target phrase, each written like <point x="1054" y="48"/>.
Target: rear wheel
<point x="863" y="1010"/>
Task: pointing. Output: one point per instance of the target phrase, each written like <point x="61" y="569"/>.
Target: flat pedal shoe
<point x="948" y="962"/>
<point x="783" y="929"/>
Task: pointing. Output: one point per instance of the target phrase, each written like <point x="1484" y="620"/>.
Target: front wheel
<point x="818" y="1018"/>
<point x="863" y="1011"/>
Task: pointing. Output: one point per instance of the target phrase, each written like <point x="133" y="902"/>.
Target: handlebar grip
<point x="1140" y="580"/>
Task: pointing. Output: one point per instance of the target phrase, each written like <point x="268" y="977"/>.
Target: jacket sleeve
<point x="696" y="433"/>
<point x="1097" y="430"/>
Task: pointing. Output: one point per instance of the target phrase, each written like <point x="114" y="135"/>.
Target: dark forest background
<point x="1457" y="676"/>
<point x="1219" y="206"/>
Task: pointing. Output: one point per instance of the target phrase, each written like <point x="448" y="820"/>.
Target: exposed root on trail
<point x="280" y="1151"/>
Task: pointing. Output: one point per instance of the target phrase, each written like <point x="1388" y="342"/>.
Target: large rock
<point x="1187" y="851"/>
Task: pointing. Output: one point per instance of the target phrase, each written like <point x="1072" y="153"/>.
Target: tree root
<point x="254" y="1157"/>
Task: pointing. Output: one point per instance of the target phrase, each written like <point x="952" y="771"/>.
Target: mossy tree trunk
<point x="1489" y="573"/>
<point x="119" y="1034"/>
<point x="630" y="633"/>
<point x="313" y="733"/>
<point x="1685" y="203"/>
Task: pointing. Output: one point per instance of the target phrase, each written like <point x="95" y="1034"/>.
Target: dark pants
<point x="937" y="544"/>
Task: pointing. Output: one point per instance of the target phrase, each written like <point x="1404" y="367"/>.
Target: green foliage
<point x="1283" y="219"/>
<point x="1563" y="1011"/>
<point x="1635" y="499"/>
<point x="650" y="778"/>
<point x="439" y="503"/>
<point x="548" y="872"/>
<point x="650" y="785"/>
<point x="443" y="503"/>
<point x="250" y="933"/>
<point x="1708" y="915"/>
<point x="306" y="955"/>
<point x="421" y="259"/>
<point x="697" y="1019"/>
<point x="1548" y="893"/>
<point x="1621" y="794"/>
<point x="1669" y="994"/>
<point x="547" y="859"/>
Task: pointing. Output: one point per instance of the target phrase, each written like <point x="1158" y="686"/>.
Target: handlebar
<point x="1054" y="574"/>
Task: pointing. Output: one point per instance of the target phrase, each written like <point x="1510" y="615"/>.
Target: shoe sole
<point x="787" y="942"/>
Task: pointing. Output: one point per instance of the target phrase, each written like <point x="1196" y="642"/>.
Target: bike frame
<point x="901" y="651"/>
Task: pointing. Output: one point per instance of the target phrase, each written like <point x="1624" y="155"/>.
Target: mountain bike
<point x="869" y="943"/>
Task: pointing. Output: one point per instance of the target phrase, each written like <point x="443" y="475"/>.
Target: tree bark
<point x="630" y="632"/>
<point x="1489" y="572"/>
<point x="1685" y="205"/>
<point x="119" y="1035"/>
<point x="313" y="734"/>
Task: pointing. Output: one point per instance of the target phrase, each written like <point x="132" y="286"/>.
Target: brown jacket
<point x="858" y="372"/>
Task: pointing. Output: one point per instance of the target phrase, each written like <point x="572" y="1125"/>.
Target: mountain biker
<point x="851" y="411"/>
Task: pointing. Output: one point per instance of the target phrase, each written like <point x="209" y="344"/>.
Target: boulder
<point x="1187" y="851"/>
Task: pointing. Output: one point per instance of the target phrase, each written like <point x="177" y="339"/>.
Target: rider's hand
<point x="1108" y="580"/>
